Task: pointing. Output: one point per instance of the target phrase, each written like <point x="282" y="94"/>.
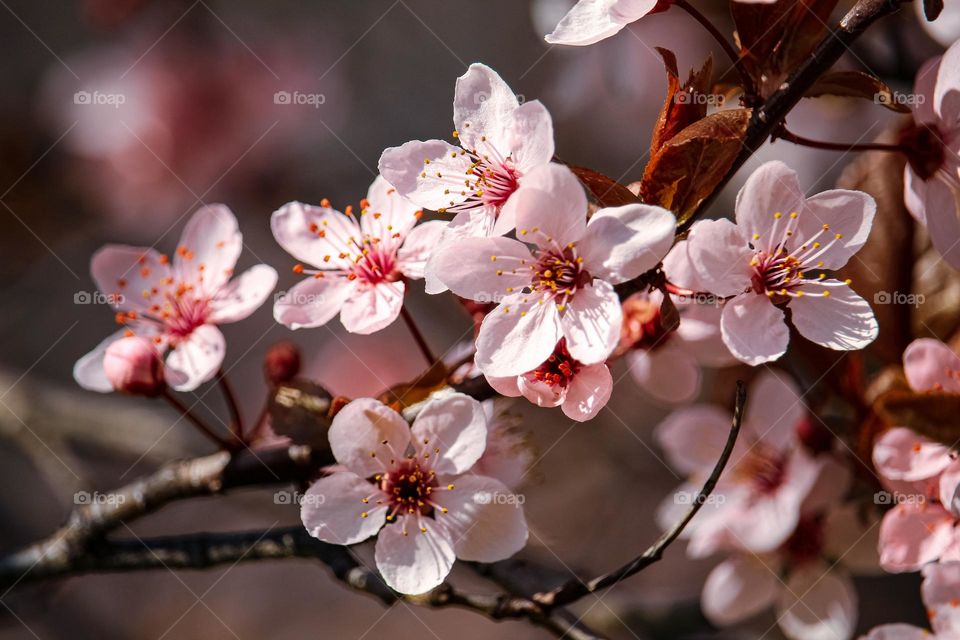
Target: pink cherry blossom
<point x="770" y="476"/>
<point x="509" y="455"/>
<point x="941" y="595"/>
<point x="667" y="364"/>
<point x="178" y="305"/>
<point x="563" y="286"/>
<point x="133" y="365"/>
<point x="360" y="268"/>
<point x="774" y="257"/>
<point x="415" y="489"/>
<point x="501" y="142"/>
<point x="561" y="380"/>
<point x="591" y="21"/>
<point x="930" y="365"/>
<point x="932" y="177"/>
<point x="922" y="477"/>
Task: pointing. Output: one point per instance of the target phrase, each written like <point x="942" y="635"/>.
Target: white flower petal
<point x="591" y="322"/>
<point x="826" y="608"/>
<point x="849" y="214"/>
<point x="842" y="321"/>
<point x="418" y="246"/>
<point x="483" y="269"/>
<point x="591" y="21"/>
<point x="623" y="242"/>
<point x="196" y="359"/>
<point x="360" y="429"/>
<point x="588" y="392"/>
<point x="243" y="295"/>
<point x="551" y="207"/>
<point x="297" y="227"/>
<point x="719" y="255"/>
<point x="483" y="107"/>
<point x="372" y="307"/>
<point x="457" y="425"/>
<point x="213" y="242"/>
<point x="132" y="278"/>
<point x="737" y="589"/>
<point x="738" y="326"/>
<point x="530" y="136"/>
<point x="389" y="213"/>
<point x="667" y="373"/>
<point x="88" y="371"/>
<point x="412" y="561"/>
<point x="772" y="188"/>
<point x="517" y="336"/>
<point x="485" y="518"/>
<point x="413" y="167"/>
<point x="313" y="302"/>
<point x="332" y="509"/>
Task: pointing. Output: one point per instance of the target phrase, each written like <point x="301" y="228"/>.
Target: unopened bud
<point x="282" y="363"/>
<point x="133" y="365"/>
<point x="814" y="435"/>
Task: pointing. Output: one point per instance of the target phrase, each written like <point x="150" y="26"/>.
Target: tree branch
<point x="770" y="115"/>
<point x="575" y="589"/>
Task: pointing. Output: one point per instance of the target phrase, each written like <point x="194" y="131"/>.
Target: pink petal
<point x="243" y="295"/>
<point x="848" y="213"/>
<point x="132" y="278"/>
<point x="923" y="89"/>
<point x="591" y="21"/>
<point x="679" y="268"/>
<point x="699" y="334"/>
<point x="389" y="213"/>
<point x="297" y="227"/>
<point x="738" y="326"/>
<point x="929" y="364"/>
<point x="508" y="455"/>
<point x="819" y="603"/>
<point x="843" y="321"/>
<point x="897" y="631"/>
<point x="540" y="393"/>
<point x="312" y="302"/>
<point x="943" y="223"/>
<point x="591" y="322"/>
<point x="517" y="336"/>
<point x="719" y="254"/>
<point x="551" y="207"/>
<point x="213" y="243"/>
<point x="772" y="188"/>
<point x="482" y="269"/>
<point x="506" y="385"/>
<point x="412" y="561"/>
<point x="692" y="438"/>
<point x="413" y="167"/>
<point x="196" y="359"/>
<point x="915" y="194"/>
<point x="88" y="371"/>
<point x="332" y="509"/>
<point x="949" y="482"/>
<point x="774" y="408"/>
<point x="483" y="107"/>
<point x="588" y="392"/>
<point x="667" y="373"/>
<point x="901" y="454"/>
<point x="360" y="429"/>
<point x="417" y="247"/>
<point x="946" y="94"/>
<point x="623" y="242"/>
<point x="911" y="535"/>
<point x="457" y="425"/>
<point x="530" y="136"/>
<point x="372" y="307"/>
<point x="485" y="518"/>
<point x="738" y="588"/>
<point x="941" y="593"/>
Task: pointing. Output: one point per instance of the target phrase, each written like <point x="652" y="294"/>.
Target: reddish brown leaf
<point x="856" y="84"/>
<point x="301" y="410"/>
<point x="932" y="414"/>
<point x="690" y="166"/>
<point x="607" y="191"/>
<point x="682" y="106"/>
<point x="404" y="395"/>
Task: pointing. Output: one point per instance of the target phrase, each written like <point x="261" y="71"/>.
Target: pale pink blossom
<point x="500" y="142"/>
<point x="133" y="365"/>
<point x="807" y="580"/>
<point x="562" y="287"/>
<point x="768" y="482"/>
<point x="591" y="21"/>
<point x="941" y="594"/>
<point x="921" y="477"/>
<point x="775" y="256"/>
<point x="930" y="365"/>
<point x="668" y="364"/>
<point x="932" y="177"/>
<point x="360" y="268"/>
<point x="416" y="490"/>
<point x="509" y="455"/>
<point x="561" y="380"/>
<point x="178" y="303"/>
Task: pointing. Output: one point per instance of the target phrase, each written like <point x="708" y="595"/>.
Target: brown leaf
<point x="935" y="415"/>
<point x="690" y="166"/>
<point x="607" y="191"/>
<point x="301" y="410"/>
<point x="409" y="393"/>
<point x="679" y="110"/>
<point x="856" y="84"/>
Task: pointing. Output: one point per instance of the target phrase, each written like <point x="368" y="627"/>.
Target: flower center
<point x="641" y="327"/>
<point x="924" y="148"/>
<point x="408" y="486"/>
<point x="175" y="311"/>
<point x="559" y="368"/>
<point x="763" y="468"/>
<point x="374" y="265"/>
<point x="488" y="181"/>
<point x="559" y="272"/>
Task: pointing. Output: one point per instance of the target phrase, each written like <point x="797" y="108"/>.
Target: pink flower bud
<point x="282" y="363"/>
<point x="133" y="365"/>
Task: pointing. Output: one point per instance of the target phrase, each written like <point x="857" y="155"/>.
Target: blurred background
<point x="120" y="117"/>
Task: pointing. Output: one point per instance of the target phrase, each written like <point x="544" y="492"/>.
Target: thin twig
<point x="575" y="589"/>
<point x="184" y="411"/>
<point x="418" y="337"/>
<point x="724" y="43"/>
<point x="783" y="133"/>
<point x="236" y="421"/>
